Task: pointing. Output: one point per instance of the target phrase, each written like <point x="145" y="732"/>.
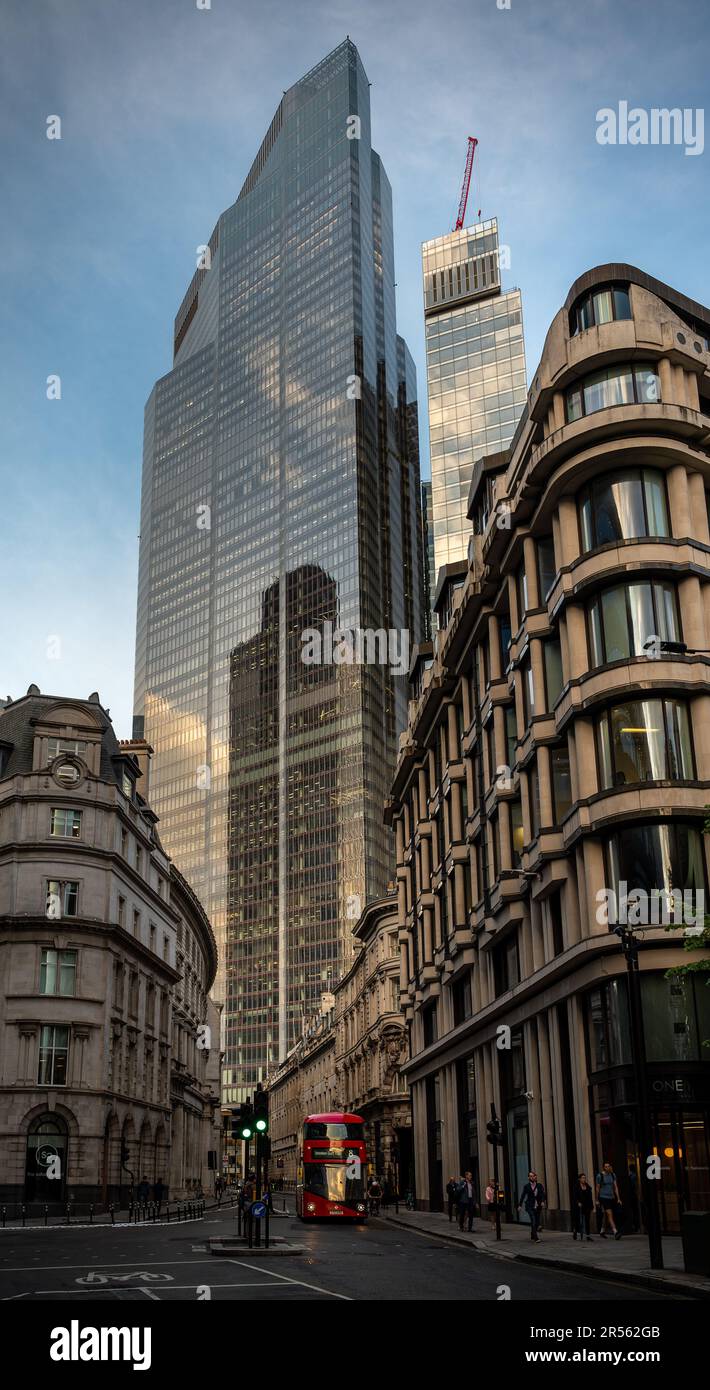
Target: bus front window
<point x="331" y="1181"/>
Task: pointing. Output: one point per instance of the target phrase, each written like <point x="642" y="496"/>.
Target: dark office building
<point x="281" y="492"/>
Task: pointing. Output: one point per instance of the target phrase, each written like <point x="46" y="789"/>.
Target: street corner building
<point x="350" y="1058"/>
<point x="281" y="492"/>
<point x="109" y="1043"/>
<point x="558" y="751"/>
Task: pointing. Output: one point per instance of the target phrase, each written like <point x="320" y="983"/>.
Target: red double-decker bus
<point x="332" y="1168"/>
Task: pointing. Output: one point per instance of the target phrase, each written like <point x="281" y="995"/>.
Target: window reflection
<point x="623" y="506"/>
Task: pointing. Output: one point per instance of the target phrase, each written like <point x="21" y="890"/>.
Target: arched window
<point x="46" y="1162"/>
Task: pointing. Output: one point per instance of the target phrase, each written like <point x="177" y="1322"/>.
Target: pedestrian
<point x="158" y="1193"/>
<point x="582" y="1207"/>
<point x="533" y="1198"/>
<point x="491" y="1201"/>
<point x="143" y="1191"/>
<point x="466" y="1199"/>
<point x="452" y="1188"/>
<point x="609" y="1199"/>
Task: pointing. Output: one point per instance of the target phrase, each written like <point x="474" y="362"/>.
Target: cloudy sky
<point x="163" y="106"/>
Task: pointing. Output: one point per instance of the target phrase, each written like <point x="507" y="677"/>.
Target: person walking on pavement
<point x="158" y="1193"/>
<point x="466" y="1201"/>
<point x="143" y="1190"/>
<point x="608" y="1197"/>
<point x="582" y="1207"/>
<point x="452" y="1191"/>
<point x="533" y="1198"/>
<point x="491" y="1201"/>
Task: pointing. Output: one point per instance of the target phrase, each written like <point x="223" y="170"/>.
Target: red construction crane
<point x="472" y="142"/>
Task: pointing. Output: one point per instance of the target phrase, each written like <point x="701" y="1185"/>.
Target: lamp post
<point x="629" y="946"/>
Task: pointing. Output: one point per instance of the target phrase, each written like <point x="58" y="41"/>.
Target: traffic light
<point x="124" y="1154"/>
<point x="261" y="1111"/>
<point x="493" y="1134"/>
<point x="243" y="1123"/>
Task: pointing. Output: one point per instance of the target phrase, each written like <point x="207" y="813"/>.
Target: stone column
<point x="677" y="481"/>
<point x="692" y="611"/>
<point x="531" y="572"/>
<point x="698" y="509"/>
<point x="585" y="757"/>
<point x="548" y="1159"/>
<point x="545" y="785"/>
<point x="594" y="882"/>
<point x="576" y="642"/>
<point x="569" y="530"/>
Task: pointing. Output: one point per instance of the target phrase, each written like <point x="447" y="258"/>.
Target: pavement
<point x="382" y="1261"/>
<point x="626" y="1259"/>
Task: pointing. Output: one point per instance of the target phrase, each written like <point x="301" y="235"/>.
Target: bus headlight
<point x="311" y="1206"/>
<point x="360" y="1206"/>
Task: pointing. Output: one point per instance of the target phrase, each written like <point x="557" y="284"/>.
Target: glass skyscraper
<point x="281" y="493"/>
<point x="475" y="371"/>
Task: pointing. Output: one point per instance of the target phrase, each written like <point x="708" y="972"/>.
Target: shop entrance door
<point x="682" y="1141"/>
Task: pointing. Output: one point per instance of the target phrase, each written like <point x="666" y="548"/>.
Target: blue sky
<point x="163" y="107"/>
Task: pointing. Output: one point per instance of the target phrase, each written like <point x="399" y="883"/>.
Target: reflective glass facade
<point x="475" y="371"/>
<point x="281" y="490"/>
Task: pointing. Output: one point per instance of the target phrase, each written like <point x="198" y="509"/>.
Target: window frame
<point x="588" y="298"/>
<point x="626" y="585"/>
<point x="633" y="369"/>
<point x="604" y="717"/>
<point x="587" y="489"/>
<point x="65" y="811"/>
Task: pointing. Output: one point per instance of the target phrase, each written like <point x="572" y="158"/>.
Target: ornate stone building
<point x="371" y="1043"/>
<point x="349" y="1057"/>
<point x="557" y="749"/>
<point x="106" y="958"/>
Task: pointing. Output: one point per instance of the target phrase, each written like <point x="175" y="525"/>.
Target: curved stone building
<point x="558" y="751"/>
<point x="106" y="958"/>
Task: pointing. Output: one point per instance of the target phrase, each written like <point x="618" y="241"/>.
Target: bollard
<point x="91" y="1214"/>
<point x="23" y="1215"/>
<point x="46" y="1213"/>
<point x="4" y="1214"/>
<point x="167" y="1213"/>
<point x="154" y="1211"/>
<point x="112" y="1215"/>
<point x="266" y="1226"/>
<point x="68" y="1215"/>
<point x="130" y="1212"/>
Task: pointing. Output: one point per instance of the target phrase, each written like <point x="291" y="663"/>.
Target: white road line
<point x="109" y="1264"/>
<point x="301" y="1282"/>
<point x="149" y="1294"/>
<point x="140" y="1288"/>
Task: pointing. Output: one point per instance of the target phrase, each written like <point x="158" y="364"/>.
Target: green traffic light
<point x="261" y="1126"/>
<point x="246" y="1132"/>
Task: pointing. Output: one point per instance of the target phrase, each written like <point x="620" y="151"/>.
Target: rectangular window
<point x="136" y="923"/>
<point x="65" y="823"/>
<point x="461" y="999"/>
<point x="62" y="899"/>
<point x="554" y="909"/>
<point x="511" y="735"/>
<point x="561" y="783"/>
<point x="506" y="973"/>
<point x="522" y="593"/>
<point x="553" y="671"/>
<point x="528" y="691"/>
<point x="55" y="746"/>
<point x="57" y="973"/>
<point x="121" y="912"/>
<point x="516" y="832"/>
<point x="53" y="1056"/>
<point x="546" y="568"/>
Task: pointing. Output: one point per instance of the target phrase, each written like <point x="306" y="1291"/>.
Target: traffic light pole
<point x="495" y="1179"/>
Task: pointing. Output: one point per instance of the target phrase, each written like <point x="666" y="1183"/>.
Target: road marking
<point x="301" y="1282"/>
<point x="140" y="1288"/>
<point x="149" y="1294"/>
<point x="110" y="1264"/>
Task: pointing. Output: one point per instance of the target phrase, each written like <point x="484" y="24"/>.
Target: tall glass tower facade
<point x="476" y="378"/>
<point x="281" y="493"/>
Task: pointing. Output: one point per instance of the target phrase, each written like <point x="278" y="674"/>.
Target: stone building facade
<point x="557" y="749"/>
<point x="349" y="1058"/>
<point x="106" y="958"/>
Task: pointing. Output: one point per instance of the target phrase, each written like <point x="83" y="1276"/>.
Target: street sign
<point x="257" y="1210"/>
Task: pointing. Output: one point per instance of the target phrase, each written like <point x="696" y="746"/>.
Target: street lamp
<point x="629" y="946"/>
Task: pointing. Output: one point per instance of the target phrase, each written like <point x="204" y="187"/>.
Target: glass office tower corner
<point x="281" y="493"/>
<point x="475" y="371"/>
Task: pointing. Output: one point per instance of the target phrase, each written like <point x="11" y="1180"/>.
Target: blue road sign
<point x="257" y="1210"/>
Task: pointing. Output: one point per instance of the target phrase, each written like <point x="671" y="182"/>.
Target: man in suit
<point x="466" y="1201"/>
<point x="533" y="1198"/>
